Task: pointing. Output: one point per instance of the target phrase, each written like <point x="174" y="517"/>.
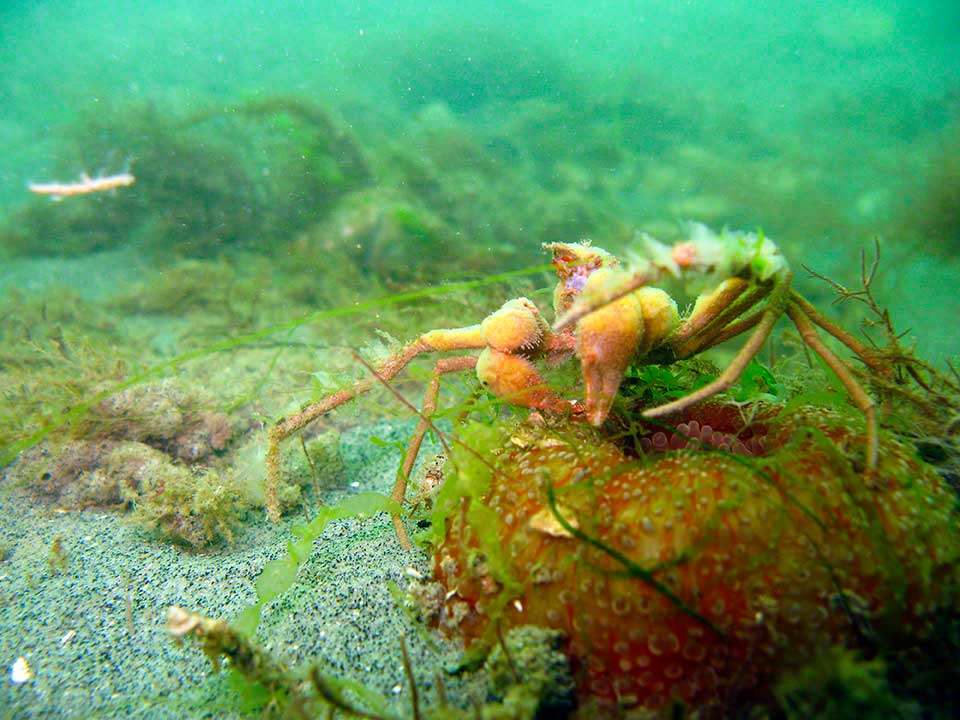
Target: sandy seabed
<point x="95" y="633"/>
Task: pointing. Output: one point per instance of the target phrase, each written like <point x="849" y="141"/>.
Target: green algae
<point x="278" y="575"/>
<point x="841" y="683"/>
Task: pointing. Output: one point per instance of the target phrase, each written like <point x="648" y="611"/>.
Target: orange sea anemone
<point x="694" y="576"/>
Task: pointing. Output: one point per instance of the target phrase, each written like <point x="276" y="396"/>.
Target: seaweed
<point x="198" y="189"/>
<point x="537" y="685"/>
<point x="56" y="351"/>
<point x="84" y="399"/>
<point x="279" y="575"/>
<point x="841" y="683"/>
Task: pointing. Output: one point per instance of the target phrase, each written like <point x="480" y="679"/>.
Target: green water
<point x="308" y="157"/>
<point x="824" y="125"/>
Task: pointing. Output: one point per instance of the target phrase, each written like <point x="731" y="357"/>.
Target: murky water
<point x="205" y="208"/>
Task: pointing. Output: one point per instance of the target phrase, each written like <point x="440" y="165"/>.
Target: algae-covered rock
<point x="168" y="414"/>
<point x="195" y="506"/>
<point x="530" y="674"/>
<point x="389" y="237"/>
<point x="72" y="474"/>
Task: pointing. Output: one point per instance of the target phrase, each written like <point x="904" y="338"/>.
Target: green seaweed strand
<point x="279" y="575"/>
<point x="632" y="568"/>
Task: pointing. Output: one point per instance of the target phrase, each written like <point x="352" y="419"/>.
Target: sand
<point x="94" y="634"/>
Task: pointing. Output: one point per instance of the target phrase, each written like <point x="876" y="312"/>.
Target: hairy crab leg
<point x="466" y="338"/>
<point x="717" y="303"/>
<point x="443" y="366"/>
<point x="288" y="426"/>
<point x="863" y="352"/>
<point x="729" y="331"/>
<point x="507" y="339"/>
<point x="764" y="322"/>
<point x="721" y="324"/>
<point x="859" y="396"/>
<point x="732" y="372"/>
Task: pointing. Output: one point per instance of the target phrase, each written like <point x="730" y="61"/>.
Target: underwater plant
<point x="529" y="676"/>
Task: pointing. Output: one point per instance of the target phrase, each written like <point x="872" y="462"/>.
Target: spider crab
<point x="608" y="316"/>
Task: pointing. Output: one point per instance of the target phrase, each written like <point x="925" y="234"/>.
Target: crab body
<point x="610" y="316"/>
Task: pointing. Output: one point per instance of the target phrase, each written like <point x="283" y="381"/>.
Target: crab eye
<point x="577" y="281"/>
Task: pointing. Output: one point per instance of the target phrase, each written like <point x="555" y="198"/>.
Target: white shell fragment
<point x="20" y="671"/>
<point x="547" y="523"/>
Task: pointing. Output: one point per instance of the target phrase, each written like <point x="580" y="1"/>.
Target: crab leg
<point x="733" y="371"/>
<point x="862" y="351"/>
<point x="764" y="325"/>
<point x="444" y="366"/>
<point x="507" y="338"/>
<point x="730" y="331"/>
<point x="466" y="338"/>
<point x="798" y="314"/>
<point x="714" y="321"/>
<point x="711" y="308"/>
<point x="288" y="426"/>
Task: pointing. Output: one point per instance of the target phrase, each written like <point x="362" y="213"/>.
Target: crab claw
<point x="607" y="339"/>
<point x="611" y="333"/>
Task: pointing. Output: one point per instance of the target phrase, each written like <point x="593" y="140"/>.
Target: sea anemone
<point x="699" y="575"/>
